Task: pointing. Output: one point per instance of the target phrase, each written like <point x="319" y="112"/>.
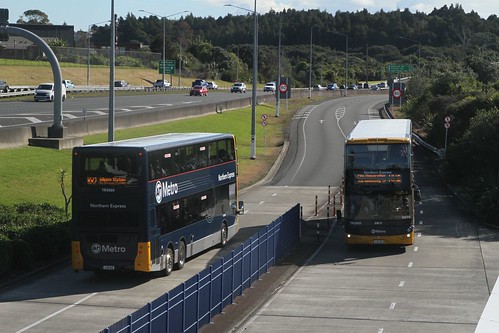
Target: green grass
<point x="32" y="174"/>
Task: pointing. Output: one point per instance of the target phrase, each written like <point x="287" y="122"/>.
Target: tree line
<point x="455" y="56"/>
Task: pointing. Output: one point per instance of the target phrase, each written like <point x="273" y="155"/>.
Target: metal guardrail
<point x="195" y="302"/>
<point x="417" y="138"/>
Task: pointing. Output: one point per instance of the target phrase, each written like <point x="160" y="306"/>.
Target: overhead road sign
<point x="394" y="68"/>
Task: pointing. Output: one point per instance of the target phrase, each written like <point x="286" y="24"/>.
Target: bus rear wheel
<point x="168" y="262"/>
<point x="224" y="234"/>
<point x="181" y="256"/>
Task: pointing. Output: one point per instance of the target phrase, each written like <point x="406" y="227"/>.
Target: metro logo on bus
<point x="165" y="189"/>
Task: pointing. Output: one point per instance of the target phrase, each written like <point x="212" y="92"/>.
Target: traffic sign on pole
<point x="167" y="68"/>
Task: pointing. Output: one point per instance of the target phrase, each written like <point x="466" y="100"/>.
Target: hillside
<point x="33" y="75"/>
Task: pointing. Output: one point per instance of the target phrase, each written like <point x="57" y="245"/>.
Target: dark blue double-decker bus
<point x="148" y="204"/>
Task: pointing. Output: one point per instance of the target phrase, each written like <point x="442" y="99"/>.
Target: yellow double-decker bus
<point x="379" y="183"/>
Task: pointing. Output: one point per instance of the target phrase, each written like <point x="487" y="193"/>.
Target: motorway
<point x="440" y="284"/>
<point x="26" y="113"/>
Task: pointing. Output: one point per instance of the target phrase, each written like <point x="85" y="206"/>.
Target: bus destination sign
<point x="377" y="177"/>
<point x="115" y="180"/>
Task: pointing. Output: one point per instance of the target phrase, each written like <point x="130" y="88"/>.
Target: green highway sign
<point x="400" y="68"/>
<point x="167" y="68"/>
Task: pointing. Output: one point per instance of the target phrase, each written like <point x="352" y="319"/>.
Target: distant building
<point x="17" y="47"/>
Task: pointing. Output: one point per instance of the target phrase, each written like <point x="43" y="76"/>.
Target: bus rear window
<point x="109" y="170"/>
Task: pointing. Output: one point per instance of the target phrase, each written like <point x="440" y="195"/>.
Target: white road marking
<point x="56" y="313"/>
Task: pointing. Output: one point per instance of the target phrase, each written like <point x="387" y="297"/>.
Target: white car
<point x="161" y="84"/>
<point x="212" y="85"/>
<point x="269" y="86"/>
<point x="68" y="84"/>
<point x="46" y="92"/>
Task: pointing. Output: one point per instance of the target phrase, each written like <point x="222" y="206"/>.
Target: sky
<point x="81" y="14"/>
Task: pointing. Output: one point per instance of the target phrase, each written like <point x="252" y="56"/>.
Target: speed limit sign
<point x="283" y="87"/>
<point x="396" y="93"/>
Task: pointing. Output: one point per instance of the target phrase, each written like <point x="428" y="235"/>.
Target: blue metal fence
<point x="193" y="303"/>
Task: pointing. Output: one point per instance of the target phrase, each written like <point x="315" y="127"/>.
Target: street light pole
<point x="310" y="69"/>
<point x="163" y="57"/>
<point x="255" y="72"/>
<point x="346" y="61"/>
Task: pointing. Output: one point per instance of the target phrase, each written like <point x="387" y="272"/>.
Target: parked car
<point x="352" y="87"/>
<point x="375" y="87"/>
<point x="161" y="84"/>
<point x="332" y="86"/>
<point x="366" y="85"/>
<point x="4" y="86"/>
<point x="212" y="85"/>
<point x="121" y="83"/>
<point x="269" y="86"/>
<point x="199" y="90"/>
<point x="318" y="87"/>
<point x="238" y="87"/>
<point x="199" y="82"/>
<point x="46" y="92"/>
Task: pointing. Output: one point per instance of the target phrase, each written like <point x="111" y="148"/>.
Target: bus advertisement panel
<point x="148" y="204"/>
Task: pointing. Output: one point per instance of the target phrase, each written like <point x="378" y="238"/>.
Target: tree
<point x="33" y="16"/>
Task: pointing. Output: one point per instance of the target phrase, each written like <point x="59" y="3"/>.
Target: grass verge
<point x="32" y="174"/>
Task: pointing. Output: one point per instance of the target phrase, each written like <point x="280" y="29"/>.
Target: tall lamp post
<point x="310" y="69"/>
<point x="419" y="49"/>
<point x="89" y="35"/>
<point x="346" y="61"/>
<point x="164" y="36"/>
<point x="255" y="71"/>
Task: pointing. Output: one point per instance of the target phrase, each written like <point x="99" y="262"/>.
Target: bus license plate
<point x="378" y="241"/>
<point x="108" y="268"/>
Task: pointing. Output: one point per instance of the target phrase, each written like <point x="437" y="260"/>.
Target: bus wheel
<point x="169" y="262"/>
<point x="223" y="235"/>
<point x="181" y="256"/>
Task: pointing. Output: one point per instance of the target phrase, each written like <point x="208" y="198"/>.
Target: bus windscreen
<point x="115" y="170"/>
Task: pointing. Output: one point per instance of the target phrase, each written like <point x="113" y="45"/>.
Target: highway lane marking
<point x="274" y="194"/>
<point x="339" y="113"/>
<point x="56" y="313"/>
<point x="416" y="249"/>
<point x="392" y="306"/>
<point x="401" y="284"/>
<point x="419" y="234"/>
<point x="410" y="264"/>
<point x="381" y="330"/>
<point x="304" y="144"/>
<point x="261" y="202"/>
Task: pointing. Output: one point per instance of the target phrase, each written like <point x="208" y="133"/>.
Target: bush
<point x="31" y="234"/>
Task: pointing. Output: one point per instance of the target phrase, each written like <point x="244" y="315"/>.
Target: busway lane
<point x="436" y="285"/>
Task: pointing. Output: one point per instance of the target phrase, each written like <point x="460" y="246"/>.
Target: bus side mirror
<point x="240" y="207"/>
<point x="417" y="193"/>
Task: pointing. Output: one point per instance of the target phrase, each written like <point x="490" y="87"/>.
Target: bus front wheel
<point x="181" y="256"/>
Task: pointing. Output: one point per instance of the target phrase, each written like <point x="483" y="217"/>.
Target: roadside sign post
<point x="447" y="126"/>
<point x="264" y="124"/>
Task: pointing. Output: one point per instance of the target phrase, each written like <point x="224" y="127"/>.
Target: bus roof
<point x="164" y="140"/>
<point x="381" y="131"/>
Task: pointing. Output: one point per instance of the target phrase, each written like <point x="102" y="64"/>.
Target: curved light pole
<point x="89" y="35"/>
<point x="164" y="36"/>
<point x="255" y="71"/>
